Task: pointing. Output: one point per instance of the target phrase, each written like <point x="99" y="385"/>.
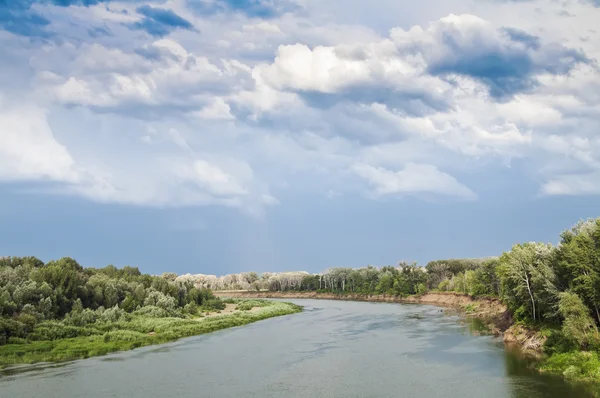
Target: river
<point x="332" y="349"/>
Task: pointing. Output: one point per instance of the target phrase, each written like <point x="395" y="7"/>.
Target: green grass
<point x="103" y="338"/>
<point x="577" y="366"/>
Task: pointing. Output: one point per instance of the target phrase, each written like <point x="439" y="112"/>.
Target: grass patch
<point x="137" y="331"/>
<point x="577" y="366"/>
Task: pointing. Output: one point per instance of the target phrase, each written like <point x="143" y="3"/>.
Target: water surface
<point x="332" y="349"/>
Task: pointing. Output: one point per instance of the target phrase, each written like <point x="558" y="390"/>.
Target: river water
<point x="332" y="349"/>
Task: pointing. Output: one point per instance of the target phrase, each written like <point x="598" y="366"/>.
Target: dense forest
<point x="35" y="294"/>
<point x="61" y="310"/>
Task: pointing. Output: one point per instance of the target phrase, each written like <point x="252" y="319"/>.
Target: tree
<point x="579" y="262"/>
<point x="578" y="325"/>
<point x="528" y="280"/>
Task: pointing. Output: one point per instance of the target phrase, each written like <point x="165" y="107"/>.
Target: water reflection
<point x="526" y="382"/>
<point x="332" y="349"/>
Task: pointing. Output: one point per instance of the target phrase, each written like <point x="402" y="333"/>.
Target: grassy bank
<point x="134" y="331"/>
<point x="580" y="366"/>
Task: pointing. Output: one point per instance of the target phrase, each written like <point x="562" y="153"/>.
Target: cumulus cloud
<point x="217" y="110"/>
<point x="573" y="184"/>
<point x="259" y="99"/>
<point x="30" y="152"/>
<point x="28" y="149"/>
<point x="506" y="60"/>
<point x="163" y="73"/>
<point x="406" y="64"/>
<point x="413" y="179"/>
<point x="174" y="181"/>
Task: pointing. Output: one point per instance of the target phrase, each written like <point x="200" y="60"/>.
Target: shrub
<point x="81" y="318"/>
<point x="190" y="308"/>
<point x="444" y="285"/>
<point x="10" y="328"/>
<point x="55" y="330"/>
<point x="113" y="314"/>
<point x="123" y="335"/>
<point x="153" y="312"/>
<point x="213" y="304"/>
<point x="249" y="304"/>
<point x="17" y="340"/>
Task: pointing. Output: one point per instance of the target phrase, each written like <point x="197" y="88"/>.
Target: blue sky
<point x="218" y="136"/>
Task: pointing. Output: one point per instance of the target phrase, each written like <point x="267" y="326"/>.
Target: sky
<point x="220" y="136"/>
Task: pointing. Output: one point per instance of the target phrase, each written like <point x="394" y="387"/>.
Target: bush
<point x="576" y="366"/>
<point x="113" y="314"/>
<point x="17" y="340"/>
<point x="213" y="305"/>
<point x="249" y="304"/>
<point x="191" y="309"/>
<point x="55" y="330"/>
<point x="82" y="318"/>
<point x="10" y="328"/>
<point x="123" y="335"/>
<point x="557" y="342"/>
<point x="444" y="285"/>
<point x="155" y="312"/>
<point x="28" y="321"/>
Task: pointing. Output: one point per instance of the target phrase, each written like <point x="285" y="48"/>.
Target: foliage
<point x="247" y="305"/>
<point x="55" y="341"/>
<point x="33" y="293"/>
<point x="528" y="281"/>
<point x="578" y="366"/>
<point x="578" y="325"/>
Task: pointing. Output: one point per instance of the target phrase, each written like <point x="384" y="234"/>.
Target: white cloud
<point x="320" y="69"/>
<point x="262" y="27"/>
<point x="413" y="179"/>
<point x="172" y="182"/>
<point x="28" y="149"/>
<point x="103" y="77"/>
<point x="30" y="152"/>
<point x="298" y="100"/>
<point x="573" y="184"/>
<point x="216" y="180"/>
<point x="178" y="139"/>
<point x="217" y="110"/>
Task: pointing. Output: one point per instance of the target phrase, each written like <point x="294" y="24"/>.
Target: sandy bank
<point x="450" y="299"/>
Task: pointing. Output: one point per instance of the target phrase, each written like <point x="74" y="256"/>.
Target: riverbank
<point x="139" y="331"/>
<point x="491" y="310"/>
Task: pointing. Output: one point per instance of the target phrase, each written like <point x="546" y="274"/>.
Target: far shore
<point x="491" y="310"/>
<point x="486" y="306"/>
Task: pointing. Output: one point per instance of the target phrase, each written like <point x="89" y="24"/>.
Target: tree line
<point x="541" y="283"/>
<point x="34" y="293"/>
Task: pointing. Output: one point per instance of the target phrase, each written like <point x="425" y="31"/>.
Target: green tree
<point x="578" y="325"/>
<point x="528" y="280"/>
<point x="579" y="262"/>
